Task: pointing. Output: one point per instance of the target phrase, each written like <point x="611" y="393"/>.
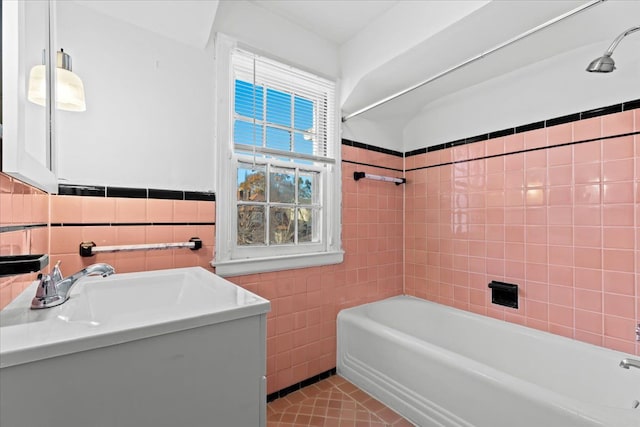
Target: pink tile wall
<point x="561" y="222"/>
<point x="21" y="204"/>
<point x="83" y="213"/>
<point x="301" y="326"/>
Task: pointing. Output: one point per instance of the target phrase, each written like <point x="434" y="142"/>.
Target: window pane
<point x="251" y="183"/>
<point x="282" y="186"/>
<point x="247" y="133"/>
<point x="281" y="226"/>
<point x="303" y="143"/>
<point x="303" y="114"/>
<point x="251" y="230"/>
<point x="249" y="101"/>
<point x="278" y="107"/>
<point x="278" y="139"/>
<point x="307" y="227"/>
<point x="307" y="188"/>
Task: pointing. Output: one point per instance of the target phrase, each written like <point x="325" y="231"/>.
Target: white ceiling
<point x="336" y="21"/>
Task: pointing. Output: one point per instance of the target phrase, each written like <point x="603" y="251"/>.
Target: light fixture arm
<point x="63" y="60"/>
<point x="618" y="39"/>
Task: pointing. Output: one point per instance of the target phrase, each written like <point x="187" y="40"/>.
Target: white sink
<point x="121" y="308"/>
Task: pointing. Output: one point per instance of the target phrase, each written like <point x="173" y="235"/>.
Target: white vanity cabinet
<point x="194" y="356"/>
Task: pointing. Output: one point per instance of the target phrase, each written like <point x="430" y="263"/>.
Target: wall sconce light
<point x="69" y="87"/>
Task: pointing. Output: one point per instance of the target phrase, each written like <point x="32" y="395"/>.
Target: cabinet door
<point x="26" y="127"/>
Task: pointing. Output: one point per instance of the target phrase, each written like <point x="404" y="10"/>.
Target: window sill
<point x="241" y="267"/>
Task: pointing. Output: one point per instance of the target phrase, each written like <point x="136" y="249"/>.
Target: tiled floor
<point x="333" y="402"/>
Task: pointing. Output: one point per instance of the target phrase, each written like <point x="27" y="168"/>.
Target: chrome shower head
<point x="605" y="63"/>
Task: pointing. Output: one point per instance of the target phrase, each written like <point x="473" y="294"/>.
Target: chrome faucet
<point x="55" y="290"/>
<point x="627" y="363"/>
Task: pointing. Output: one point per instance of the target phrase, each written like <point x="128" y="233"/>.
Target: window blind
<point x="281" y="111"/>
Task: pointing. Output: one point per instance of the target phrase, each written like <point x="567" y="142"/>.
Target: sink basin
<point x="155" y="297"/>
<point x="121" y="308"/>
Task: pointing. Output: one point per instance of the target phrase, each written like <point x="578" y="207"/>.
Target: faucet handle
<point x="56" y="273"/>
<point x="46" y="294"/>
<point x="46" y="286"/>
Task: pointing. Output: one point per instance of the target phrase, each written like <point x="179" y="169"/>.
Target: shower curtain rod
<point x="475" y="58"/>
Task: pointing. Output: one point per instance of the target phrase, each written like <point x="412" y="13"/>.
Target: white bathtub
<point x="439" y="366"/>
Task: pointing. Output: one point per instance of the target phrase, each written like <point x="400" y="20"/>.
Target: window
<point x="278" y="187"/>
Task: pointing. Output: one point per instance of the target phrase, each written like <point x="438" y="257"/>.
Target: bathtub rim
<point x="498" y="322"/>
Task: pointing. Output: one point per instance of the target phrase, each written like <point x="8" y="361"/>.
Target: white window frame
<point x="231" y="260"/>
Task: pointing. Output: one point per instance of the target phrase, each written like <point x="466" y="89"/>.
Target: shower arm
<point x="527" y="33"/>
<point x="618" y="39"/>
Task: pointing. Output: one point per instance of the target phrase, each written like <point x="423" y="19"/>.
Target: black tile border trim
<point x="10" y="228"/>
<point x="295" y="387"/>
<point x="369" y="147"/>
<point x="199" y="195"/>
<point x="164" y="194"/>
<point x="125" y="224"/>
<point x="81" y="190"/>
<point x="611" y="109"/>
<point x="631" y="105"/>
<point x="530" y="126"/>
<point x="564" y="119"/>
<point x="501" y="133"/>
<point x="603" y="111"/>
<point x="132" y="193"/>
<point x="372" y="166"/>
<point x="136" y="193"/>
<point x="564" y="144"/>
<point x="418" y="151"/>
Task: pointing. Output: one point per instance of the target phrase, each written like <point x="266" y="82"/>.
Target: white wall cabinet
<point x="27" y="139"/>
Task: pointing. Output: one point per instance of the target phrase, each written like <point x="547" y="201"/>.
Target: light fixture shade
<point x="69" y="87"/>
<point x="37" y="92"/>
<point x="69" y="91"/>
